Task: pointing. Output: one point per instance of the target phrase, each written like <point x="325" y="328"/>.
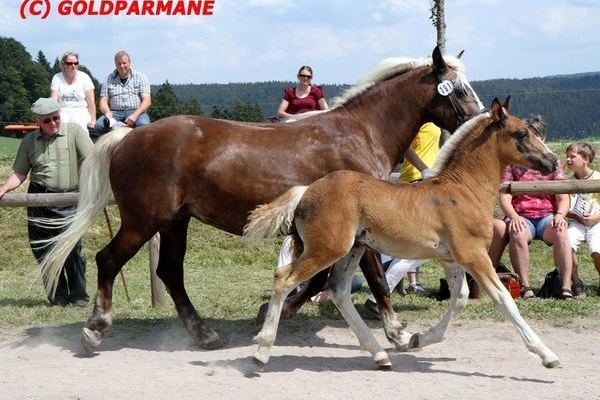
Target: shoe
<point x="527" y="293"/>
<point x="81" y="303"/>
<point x="400" y="288"/>
<point x="372" y="307"/>
<point x="566" y="294"/>
<point x="578" y="288"/>
<point x="415" y="288"/>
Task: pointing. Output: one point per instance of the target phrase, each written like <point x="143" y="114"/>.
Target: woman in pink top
<point x="302" y="98"/>
<point x="535" y="217"/>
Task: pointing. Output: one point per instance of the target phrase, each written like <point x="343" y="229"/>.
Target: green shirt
<point x="54" y="163"/>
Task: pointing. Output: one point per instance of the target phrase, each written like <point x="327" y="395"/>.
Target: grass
<point x="226" y="279"/>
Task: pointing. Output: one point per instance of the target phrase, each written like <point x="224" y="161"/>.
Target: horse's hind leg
<point x="109" y="261"/>
<point x="339" y="281"/>
<point x="370" y="264"/>
<point x="173" y="242"/>
<point x="459" y="296"/>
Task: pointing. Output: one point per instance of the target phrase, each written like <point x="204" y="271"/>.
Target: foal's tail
<point x="94" y="194"/>
<point x="275" y="218"/>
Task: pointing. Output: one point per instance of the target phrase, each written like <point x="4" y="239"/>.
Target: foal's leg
<point x="287" y="278"/>
<point x="459" y="296"/>
<point x="340" y="280"/>
<point x="109" y="261"/>
<point x="482" y="271"/>
<point x="372" y="269"/>
<point x="173" y="242"/>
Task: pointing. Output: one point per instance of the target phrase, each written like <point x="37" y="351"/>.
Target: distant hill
<point x="568" y="102"/>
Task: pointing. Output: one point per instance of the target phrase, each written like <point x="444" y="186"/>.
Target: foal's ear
<point x="460" y="54"/>
<point x="506" y="104"/>
<point x="496" y="111"/>
<point x="439" y="65"/>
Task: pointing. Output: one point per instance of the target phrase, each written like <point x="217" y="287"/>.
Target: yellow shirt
<point x="427" y="145"/>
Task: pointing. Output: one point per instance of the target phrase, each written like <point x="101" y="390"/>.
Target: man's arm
<point x="144" y="105"/>
<point x="14" y="181"/>
<point x="104" y="109"/>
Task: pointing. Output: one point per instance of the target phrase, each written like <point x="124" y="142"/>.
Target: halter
<point x="446" y="89"/>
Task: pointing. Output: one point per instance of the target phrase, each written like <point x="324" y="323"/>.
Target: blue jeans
<point x="120" y="115"/>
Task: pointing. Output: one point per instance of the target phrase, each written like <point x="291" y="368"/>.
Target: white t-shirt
<point x="73" y="95"/>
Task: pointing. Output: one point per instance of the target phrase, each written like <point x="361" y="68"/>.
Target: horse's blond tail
<point x="94" y="194"/>
<point x="275" y="218"/>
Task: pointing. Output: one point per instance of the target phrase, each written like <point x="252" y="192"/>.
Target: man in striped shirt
<point x="124" y="97"/>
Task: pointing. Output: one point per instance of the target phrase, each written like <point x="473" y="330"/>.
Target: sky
<point x="268" y="40"/>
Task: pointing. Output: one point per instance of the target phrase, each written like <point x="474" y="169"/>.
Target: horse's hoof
<point x="262" y="312"/>
<point x="382" y="360"/>
<point x="212" y="343"/>
<point x="90" y="340"/>
<point x="414" y="341"/>
<point x="551" y="364"/>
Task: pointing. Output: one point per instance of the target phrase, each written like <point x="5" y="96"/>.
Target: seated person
<point x="584" y="214"/>
<point x="531" y="217"/>
<point x="124" y="97"/>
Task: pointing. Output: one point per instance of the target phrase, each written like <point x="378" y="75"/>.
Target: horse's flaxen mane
<point x="391" y="67"/>
<point x="451" y="144"/>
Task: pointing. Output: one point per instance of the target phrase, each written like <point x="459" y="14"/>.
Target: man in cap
<point x="53" y="154"/>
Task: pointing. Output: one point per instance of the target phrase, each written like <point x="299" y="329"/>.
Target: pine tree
<point x="165" y="103"/>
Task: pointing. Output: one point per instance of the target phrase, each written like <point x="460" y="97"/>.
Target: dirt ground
<point x="311" y="359"/>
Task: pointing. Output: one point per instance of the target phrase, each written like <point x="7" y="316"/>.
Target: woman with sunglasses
<point x="302" y="98"/>
<point x="74" y="91"/>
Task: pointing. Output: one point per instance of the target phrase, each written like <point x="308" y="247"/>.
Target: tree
<point x="439" y="21"/>
<point x="43" y="61"/>
<point x="192" y="107"/>
<point x="165" y="103"/>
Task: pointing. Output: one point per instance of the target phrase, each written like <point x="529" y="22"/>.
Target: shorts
<point x="579" y="232"/>
<point x="537" y="226"/>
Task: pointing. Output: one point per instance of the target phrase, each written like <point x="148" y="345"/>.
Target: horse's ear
<point x="460" y="54"/>
<point x="496" y="110"/>
<point x="439" y="65"/>
<point x="506" y="104"/>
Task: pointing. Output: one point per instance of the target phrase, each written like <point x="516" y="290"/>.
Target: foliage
<point x="240" y="111"/>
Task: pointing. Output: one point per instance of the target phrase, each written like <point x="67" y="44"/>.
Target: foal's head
<point x="519" y="143"/>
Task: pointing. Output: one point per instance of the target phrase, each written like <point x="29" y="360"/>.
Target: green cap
<point x="45" y="106"/>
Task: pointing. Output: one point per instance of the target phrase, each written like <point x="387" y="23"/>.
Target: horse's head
<point x="518" y="143"/>
<point x="454" y="100"/>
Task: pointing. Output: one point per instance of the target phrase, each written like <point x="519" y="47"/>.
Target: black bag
<point x="552" y="287"/>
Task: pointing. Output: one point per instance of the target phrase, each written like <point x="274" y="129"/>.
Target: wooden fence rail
<point x="157" y="287"/>
<point x="70" y="199"/>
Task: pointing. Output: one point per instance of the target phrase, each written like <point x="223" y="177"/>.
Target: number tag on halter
<point x="445" y="88"/>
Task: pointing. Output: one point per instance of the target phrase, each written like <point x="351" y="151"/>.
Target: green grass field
<point x="227" y="279"/>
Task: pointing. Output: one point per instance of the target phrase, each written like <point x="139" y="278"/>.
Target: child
<point x="585" y="210"/>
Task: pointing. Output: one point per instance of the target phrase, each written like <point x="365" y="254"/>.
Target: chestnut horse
<point x="217" y="171"/>
<point x="447" y="217"/>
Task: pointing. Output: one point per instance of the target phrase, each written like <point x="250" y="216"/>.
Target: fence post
<point x="156" y="286"/>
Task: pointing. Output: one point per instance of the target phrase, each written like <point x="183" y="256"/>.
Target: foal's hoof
<point x="90" y="340"/>
<point x="551" y="364"/>
<point x="414" y="341"/>
<point x="382" y="360"/>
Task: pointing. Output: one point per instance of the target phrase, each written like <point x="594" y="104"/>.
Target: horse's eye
<point x="521" y="134"/>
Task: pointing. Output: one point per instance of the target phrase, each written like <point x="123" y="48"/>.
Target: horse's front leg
<point x="372" y="270"/>
<point x="459" y="296"/>
<point x="339" y="288"/>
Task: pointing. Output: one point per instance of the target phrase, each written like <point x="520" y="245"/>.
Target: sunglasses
<point x="56" y="118"/>
<point x="71" y="62"/>
<point x="305" y="76"/>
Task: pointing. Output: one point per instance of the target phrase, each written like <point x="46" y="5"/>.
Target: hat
<point x="44" y="106"/>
